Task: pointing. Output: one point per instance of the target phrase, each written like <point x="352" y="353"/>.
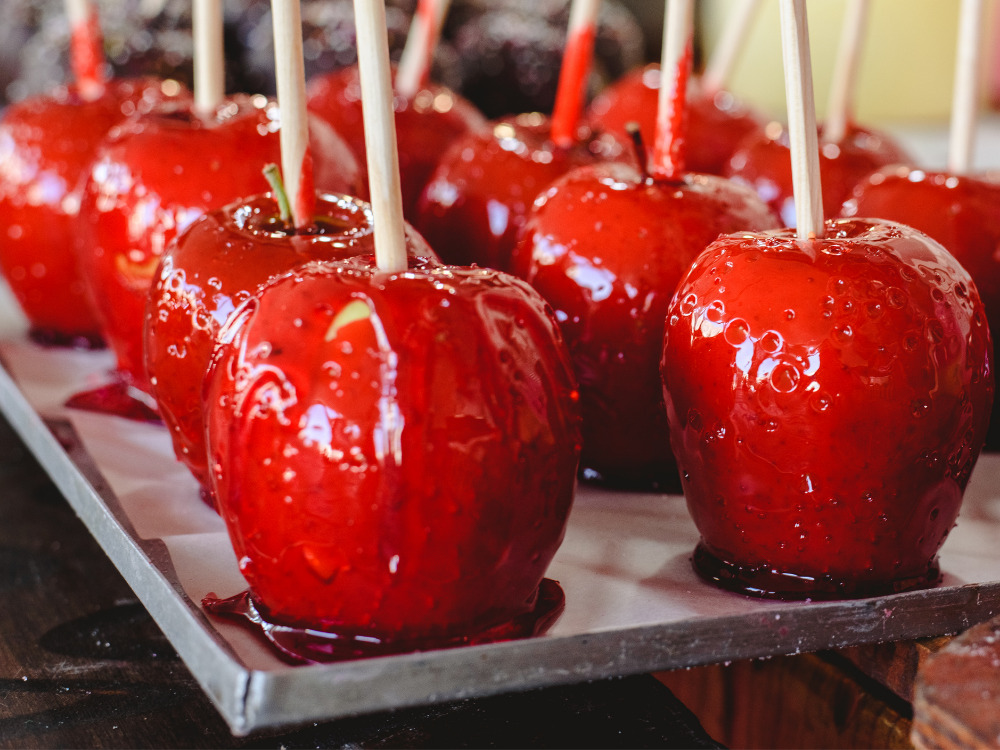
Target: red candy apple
<point x="478" y="198"/>
<point x="717" y="122"/>
<point x="47" y="144"/>
<point x="156" y="174"/>
<point x="827" y="402"/>
<point x="394" y="454"/>
<point x="426" y="124"/>
<point x="959" y="211"/>
<point x="763" y="162"/>
<point x="214" y="266"/>
<point x="606" y="245"/>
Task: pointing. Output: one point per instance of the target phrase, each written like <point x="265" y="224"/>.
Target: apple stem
<point x="675" y="70"/>
<point x="296" y="160"/>
<point x="380" y="135"/>
<point x="573" y="77"/>
<point x="840" y="104"/>
<point x="723" y="60"/>
<point x="209" y="56"/>
<point x="273" y="176"/>
<point x="801" y="105"/>
<point x="964" y="107"/>
<point x="414" y="67"/>
<point x="86" y="46"/>
<point x="639" y="145"/>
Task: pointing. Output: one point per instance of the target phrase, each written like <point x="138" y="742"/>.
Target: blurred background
<point x="504" y="55"/>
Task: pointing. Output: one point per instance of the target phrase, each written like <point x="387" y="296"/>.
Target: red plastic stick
<point x="577" y="60"/>
<point x="675" y="70"/>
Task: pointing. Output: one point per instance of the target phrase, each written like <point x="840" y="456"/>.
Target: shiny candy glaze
<point x="716" y="125"/>
<point x="426" y="125"/>
<point x="606" y="248"/>
<point x="46" y="146"/>
<point x="394" y="456"/>
<point x="827" y="402"/>
<point x="962" y="212"/>
<point x="479" y="196"/>
<point x="764" y="163"/>
<point x="154" y="176"/>
<point x="213" y="267"/>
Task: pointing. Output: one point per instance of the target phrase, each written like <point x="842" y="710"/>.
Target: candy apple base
<point x="768" y="583"/>
<point x="763" y="162"/>
<point x="960" y="212"/>
<point x="606" y="246"/>
<point x="47" y="144"/>
<point x="301" y="644"/>
<point x="220" y="261"/>
<point x="716" y="125"/>
<point x="827" y="401"/>
<point x="426" y="125"/>
<point x="478" y="198"/>
<point x="393" y="453"/>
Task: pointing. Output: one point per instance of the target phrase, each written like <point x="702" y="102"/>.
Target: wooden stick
<point x="965" y="97"/>
<point x="414" y="67"/>
<point x="801" y="106"/>
<point x="840" y="105"/>
<point x="720" y="65"/>
<point x="380" y="135"/>
<point x="289" y="66"/>
<point x="675" y="69"/>
<point x="86" y="44"/>
<point x="577" y="61"/>
<point x="209" y="56"/>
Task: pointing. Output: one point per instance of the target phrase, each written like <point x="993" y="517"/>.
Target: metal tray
<point x="633" y="603"/>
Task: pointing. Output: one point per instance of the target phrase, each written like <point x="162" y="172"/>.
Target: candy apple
<point x="214" y="266"/>
<point x="606" y="245"/>
<point x="394" y="454"/>
<point x="478" y="197"/>
<point x="426" y="124"/>
<point x="47" y="143"/>
<point x="827" y="401"/>
<point x="960" y="212"/>
<point x="157" y="173"/>
<point x="763" y="161"/>
<point x="717" y="123"/>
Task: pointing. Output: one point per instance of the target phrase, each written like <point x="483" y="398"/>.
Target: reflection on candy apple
<point x="763" y="162"/>
<point x="478" y="198"/>
<point x="394" y="455"/>
<point x="47" y="143"/>
<point x="426" y="124"/>
<point x="606" y="246"/>
<point x="827" y="400"/>
<point x="156" y="174"/>
<point x="959" y="211"/>
<point x="214" y="266"/>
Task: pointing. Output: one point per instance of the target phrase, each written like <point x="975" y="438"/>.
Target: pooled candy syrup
<point x="767" y="583"/>
<point x="117" y="399"/>
<point x="303" y="645"/>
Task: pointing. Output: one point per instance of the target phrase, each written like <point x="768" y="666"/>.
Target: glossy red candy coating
<point x="426" y="125"/>
<point x="827" y="402"/>
<point x="962" y="212"/>
<point x="213" y="267"/>
<point x="479" y="196"/>
<point x="716" y="124"/>
<point x="606" y="248"/>
<point x="160" y="172"/>
<point x="394" y="455"/>
<point x="46" y="146"/>
<point x="764" y="163"/>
